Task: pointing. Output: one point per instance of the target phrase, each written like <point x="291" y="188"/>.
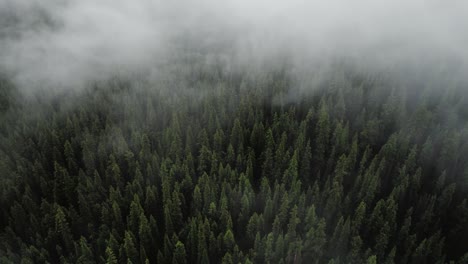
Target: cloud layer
<point x="62" y="43"/>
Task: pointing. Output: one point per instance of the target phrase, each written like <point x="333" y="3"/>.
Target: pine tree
<point x="111" y="258"/>
<point x="131" y="252"/>
<point x="179" y="256"/>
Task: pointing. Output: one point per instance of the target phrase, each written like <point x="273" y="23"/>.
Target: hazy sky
<point x="67" y="43"/>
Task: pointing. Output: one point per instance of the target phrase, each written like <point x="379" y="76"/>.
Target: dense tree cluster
<point x="243" y="168"/>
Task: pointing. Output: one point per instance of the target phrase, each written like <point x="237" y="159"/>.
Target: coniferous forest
<point x="246" y="167"/>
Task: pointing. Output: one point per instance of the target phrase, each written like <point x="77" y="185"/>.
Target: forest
<point x="216" y="166"/>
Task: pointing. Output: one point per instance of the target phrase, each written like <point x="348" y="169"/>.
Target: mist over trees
<point x="232" y="170"/>
<point x="233" y="132"/>
<point x="65" y="45"/>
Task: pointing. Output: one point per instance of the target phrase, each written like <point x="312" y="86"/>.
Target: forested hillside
<point x="236" y="168"/>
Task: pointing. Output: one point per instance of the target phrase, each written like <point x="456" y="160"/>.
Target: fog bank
<point x="68" y="44"/>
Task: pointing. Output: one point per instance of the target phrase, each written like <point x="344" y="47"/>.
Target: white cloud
<point x="68" y="43"/>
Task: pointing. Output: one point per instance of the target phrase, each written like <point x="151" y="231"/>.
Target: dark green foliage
<point x="222" y="174"/>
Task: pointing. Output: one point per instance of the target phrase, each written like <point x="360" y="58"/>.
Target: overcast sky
<point x="67" y="43"/>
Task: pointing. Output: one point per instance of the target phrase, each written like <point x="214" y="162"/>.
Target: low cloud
<point x="67" y="44"/>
